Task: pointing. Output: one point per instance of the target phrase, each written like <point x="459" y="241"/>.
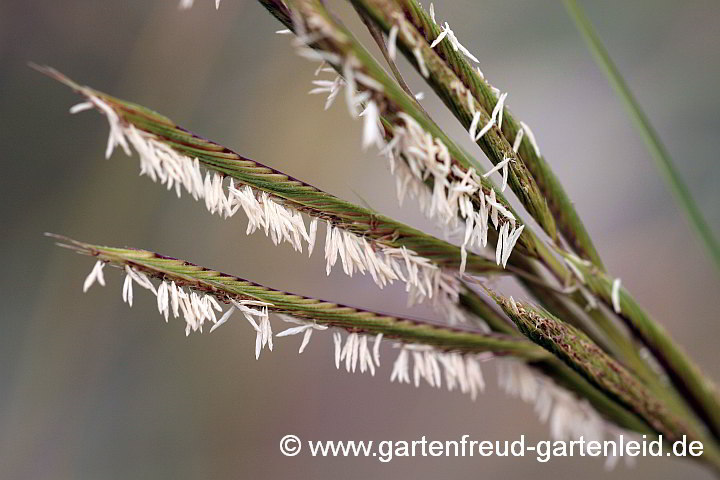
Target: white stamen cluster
<point x="263" y="331"/>
<point x="453" y="189"/>
<point x="431" y="365"/>
<point x="423" y="279"/>
<point x="498" y="110"/>
<point x="531" y="137"/>
<point x="278" y="222"/>
<point x="454" y="42"/>
<point x="497" y="113"/>
<point x="427" y="156"/>
<point x="447" y="32"/>
<point x="96" y="275"/>
<point x="196" y="308"/>
<point x="426" y="363"/>
<point x="304" y="327"/>
<point x="495" y="117"/>
<point x="568" y="417"/>
<point x="331" y="87"/>
<point x="178" y="171"/>
<point x="133" y="275"/>
<point x="500" y="166"/>
<point x="356" y="350"/>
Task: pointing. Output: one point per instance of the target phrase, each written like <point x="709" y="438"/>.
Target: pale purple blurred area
<point x="91" y="389"/>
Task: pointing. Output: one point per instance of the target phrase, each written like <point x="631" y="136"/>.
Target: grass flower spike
<point x="574" y="343"/>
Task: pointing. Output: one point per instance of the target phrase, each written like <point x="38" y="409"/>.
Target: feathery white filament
<point x="96" y="274"/>
<point x="372" y="128"/>
<point x="454" y="42"/>
<point x="177" y="171"/>
<point x="331" y="87"/>
<point x="423" y="279"/>
<point x="195" y="308"/>
<point x="432" y="365"/>
<point x="392" y="42"/>
<point x="426" y="156"/>
<point x="355" y="351"/>
<point x="616" y="295"/>
<point x="568" y="417"/>
<point x="531" y="137"/>
<point x="304" y="327"/>
<point x="421" y="62"/>
<point x="498" y="109"/>
<point x="495" y="118"/>
<point x="500" y="166"/>
<point x="518" y="140"/>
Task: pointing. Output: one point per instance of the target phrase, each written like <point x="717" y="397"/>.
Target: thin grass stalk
<point x="663" y="160"/>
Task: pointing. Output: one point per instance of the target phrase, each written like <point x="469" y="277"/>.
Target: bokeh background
<point x="91" y="389"/>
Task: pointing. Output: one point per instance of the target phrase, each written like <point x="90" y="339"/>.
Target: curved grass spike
<point x="700" y="392"/>
<point x="567" y="220"/>
<point x="455" y="95"/>
<point x="291" y="192"/>
<point x="530" y="243"/>
<point x="585" y="357"/>
<point x="225" y="287"/>
<point x="663" y="160"/>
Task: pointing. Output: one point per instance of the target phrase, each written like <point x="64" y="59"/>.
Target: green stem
<point x="663" y="160"/>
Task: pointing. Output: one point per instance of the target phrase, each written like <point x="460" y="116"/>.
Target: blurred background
<point x="91" y="389"/>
